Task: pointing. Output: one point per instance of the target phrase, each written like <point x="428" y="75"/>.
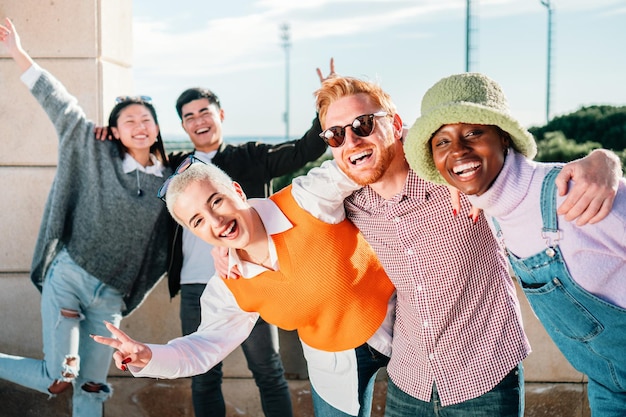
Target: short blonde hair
<point x="337" y="87"/>
<point x="197" y="172"/>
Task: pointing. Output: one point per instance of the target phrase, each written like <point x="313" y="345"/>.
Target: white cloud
<point x="245" y="42"/>
<point x="184" y="47"/>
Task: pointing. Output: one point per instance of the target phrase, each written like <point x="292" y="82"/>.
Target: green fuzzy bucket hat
<point x="462" y="98"/>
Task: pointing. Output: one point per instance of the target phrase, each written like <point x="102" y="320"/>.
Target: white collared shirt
<point x="130" y="164"/>
<point x="333" y="374"/>
<point x="31" y="75"/>
<point x="274" y="222"/>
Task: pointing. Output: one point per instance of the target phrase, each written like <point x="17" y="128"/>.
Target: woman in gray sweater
<point x="102" y="242"/>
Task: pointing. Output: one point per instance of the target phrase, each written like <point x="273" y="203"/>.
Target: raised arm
<point x="61" y="107"/>
<point x="331" y="74"/>
<point x="322" y="190"/>
<point x="11" y="40"/>
<point x="289" y="156"/>
<point x="595" y="179"/>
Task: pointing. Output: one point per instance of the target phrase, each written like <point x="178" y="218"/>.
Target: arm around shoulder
<point x="322" y="191"/>
<point x="595" y="179"/>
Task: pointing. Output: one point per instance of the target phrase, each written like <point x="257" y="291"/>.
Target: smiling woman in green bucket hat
<point x="462" y="98"/>
<point x="574" y="277"/>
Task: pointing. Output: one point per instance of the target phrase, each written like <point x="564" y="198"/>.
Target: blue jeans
<point x="589" y="331"/>
<point x="261" y="352"/>
<point x="70" y="355"/>
<point x="505" y="400"/>
<point x="369" y="361"/>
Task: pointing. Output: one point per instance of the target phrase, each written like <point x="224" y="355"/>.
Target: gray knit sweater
<point x="93" y="208"/>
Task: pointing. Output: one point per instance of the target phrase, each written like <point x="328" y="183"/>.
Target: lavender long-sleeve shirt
<point x="595" y="254"/>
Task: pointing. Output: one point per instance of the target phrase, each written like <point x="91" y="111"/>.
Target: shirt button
<point x="425" y="324"/>
<point x="396" y="219"/>
<point x="418" y="288"/>
<point x="431" y="356"/>
<point x="410" y="252"/>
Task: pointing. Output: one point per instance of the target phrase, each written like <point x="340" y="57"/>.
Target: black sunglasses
<point x="121" y="99"/>
<point x="182" y="167"/>
<point x="361" y="126"/>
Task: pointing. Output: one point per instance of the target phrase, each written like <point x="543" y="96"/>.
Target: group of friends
<point x="371" y="257"/>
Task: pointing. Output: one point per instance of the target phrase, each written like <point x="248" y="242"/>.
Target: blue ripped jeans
<point x="590" y="332"/>
<point x="70" y="355"/>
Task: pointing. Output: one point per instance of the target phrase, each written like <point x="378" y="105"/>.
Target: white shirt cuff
<point x="31" y="75"/>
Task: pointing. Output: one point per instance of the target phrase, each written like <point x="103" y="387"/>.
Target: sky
<point x="235" y="49"/>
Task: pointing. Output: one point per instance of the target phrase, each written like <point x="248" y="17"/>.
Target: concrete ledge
<point x="557" y="399"/>
<point x="139" y="397"/>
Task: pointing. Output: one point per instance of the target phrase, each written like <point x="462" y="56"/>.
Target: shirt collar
<point x="275" y="222"/>
<point x="205" y="156"/>
<point x="371" y="200"/>
<point x="129" y="164"/>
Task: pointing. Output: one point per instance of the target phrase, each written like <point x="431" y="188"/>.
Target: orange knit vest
<point x="330" y="286"/>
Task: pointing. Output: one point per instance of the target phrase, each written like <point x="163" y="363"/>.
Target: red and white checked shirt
<point x="458" y="322"/>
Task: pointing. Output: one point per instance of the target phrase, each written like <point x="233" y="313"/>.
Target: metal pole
<point x="468" y="5"/>
<point x="547" y="4"/>
<point x="286" y="45"/>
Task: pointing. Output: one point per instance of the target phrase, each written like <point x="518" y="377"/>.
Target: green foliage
<point x="574" y="135"/>
<point x="555" y="147"/>
<point x="605" y="125"/>
<point x="281" y="182"/>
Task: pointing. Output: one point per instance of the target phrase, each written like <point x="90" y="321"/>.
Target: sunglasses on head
<point x="182" y="167"/>
<point x="121" y="99"/>
<point x="361" y="126"/>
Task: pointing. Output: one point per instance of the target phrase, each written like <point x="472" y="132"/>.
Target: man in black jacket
<point x="253" y="165"/>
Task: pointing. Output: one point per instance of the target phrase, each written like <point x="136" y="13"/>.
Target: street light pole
<point x="548" y="5"/>
<point x="468" y="34"/>
<point x="285" y="37"/>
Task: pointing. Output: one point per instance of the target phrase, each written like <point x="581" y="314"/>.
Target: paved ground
<point x="171" y="398"/>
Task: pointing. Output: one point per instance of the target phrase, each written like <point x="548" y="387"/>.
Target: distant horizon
<point x="182" y="143"/>
<point x="181" y="137"/>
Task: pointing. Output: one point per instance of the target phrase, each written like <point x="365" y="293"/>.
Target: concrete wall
<point x="88" y="46"/>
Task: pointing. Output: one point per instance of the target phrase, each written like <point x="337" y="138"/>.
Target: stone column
<point x="88" y="46"/>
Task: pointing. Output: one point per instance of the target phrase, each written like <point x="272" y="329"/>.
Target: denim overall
<point x="590" y="332"/>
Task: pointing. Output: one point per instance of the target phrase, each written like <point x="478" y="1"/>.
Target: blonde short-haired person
<point x="304" y="268"/>
<point x="574" y="277"/>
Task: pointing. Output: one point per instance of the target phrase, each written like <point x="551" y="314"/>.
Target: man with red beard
<point x="458" y="340"/>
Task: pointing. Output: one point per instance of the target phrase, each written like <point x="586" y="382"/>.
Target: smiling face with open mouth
<point x="469" y="157"/>
<point x="136" y="129"/>
<point x="219" y="216"/>
<point x="202" y="121"/>
<point x="364" y="159"/>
